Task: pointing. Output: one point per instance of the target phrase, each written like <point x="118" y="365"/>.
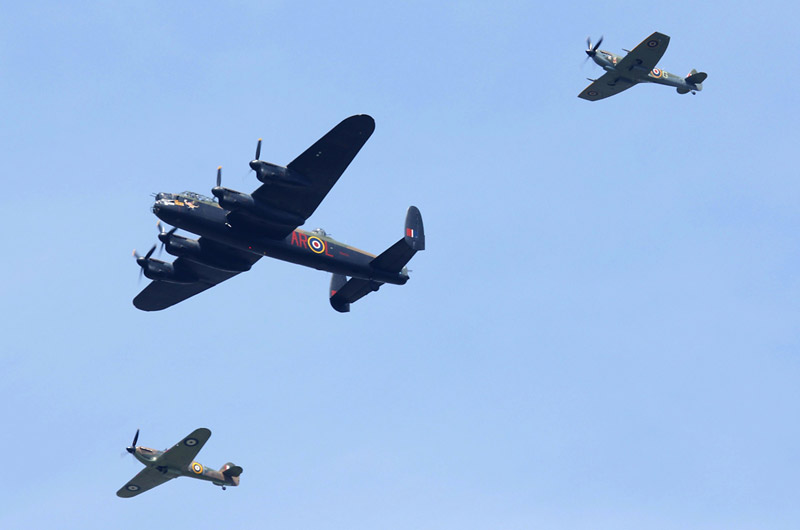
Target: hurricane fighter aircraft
<point x="639" y="66"/>
<point x="161" y="466"/>
<point x="239" y="228"/>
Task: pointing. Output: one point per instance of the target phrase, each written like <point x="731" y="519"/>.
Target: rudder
<point x="415" y="231"/>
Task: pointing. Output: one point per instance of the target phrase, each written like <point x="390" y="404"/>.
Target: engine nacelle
<point x="275" y="174"/>
<point x="166" y="272"/>
<point x="182" y="246"/>
<point x="192" y="249"/>
<point x="236" y="201"/>
<point x="232" y="199"/>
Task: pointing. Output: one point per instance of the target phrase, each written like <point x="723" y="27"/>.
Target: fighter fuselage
<point x="608" y="61"/>
<point x="149" y="457"/>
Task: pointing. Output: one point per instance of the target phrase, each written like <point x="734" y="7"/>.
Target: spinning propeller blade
<point x="258" y="150"/>
<point x="591" y="51"/>
<point x="142" y="260"/>
<point x="132" y="448"/>
<point x="164" y="236"/>
<point x="219" y="176"/>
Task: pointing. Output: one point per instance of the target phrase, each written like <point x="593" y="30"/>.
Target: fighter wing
<point x="148" y="478"/>
<point x="161" y="295"/>
<point x="321" y="165"/>
<point x="183" y="453"/>
<point x="646" y="55"/>
<point x="607" y="85"/>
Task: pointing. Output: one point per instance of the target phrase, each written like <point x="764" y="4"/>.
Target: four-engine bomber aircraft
<point x="639" y="66"/>
<point x="239" y="228"/>
<point x="178" y="461"/>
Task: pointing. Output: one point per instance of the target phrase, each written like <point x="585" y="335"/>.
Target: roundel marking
<point x="316" y="245"/>
<point x="132" y="487"/>
<point x="652" y="43"/>
<point x="592" y="93"/>
<point x="190" y="442"/>
<point x="197" y="468"/>
<point x="656" y="72"/>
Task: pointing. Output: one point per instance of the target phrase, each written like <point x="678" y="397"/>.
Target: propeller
<point x="142" y="260"/>
<point x="591" y="51"/>
<point x="217" y="191"/>
<point x="256" y="163"/>
<point x="164" y="236"/>
<point x="132" y="448"/>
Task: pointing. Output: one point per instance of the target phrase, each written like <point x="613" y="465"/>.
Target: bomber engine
<point x="269" y="173"/>
<point x="237" y="201"/>
<point x="192" y="249"/>
<point x="156" y="269"/>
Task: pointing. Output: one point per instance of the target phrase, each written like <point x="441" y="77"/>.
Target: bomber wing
<point x="321" y="164"/>
<point x="146" y="479"/>
<point x="608" y="84"/>
<point x="160" y="295"/>
<point x="183" y="453"/>
<point x="646" y="55"/>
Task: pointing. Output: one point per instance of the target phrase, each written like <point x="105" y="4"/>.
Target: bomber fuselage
<point x="312" y="249"/>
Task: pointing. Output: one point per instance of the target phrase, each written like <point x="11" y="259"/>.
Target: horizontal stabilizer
<point x="394" y="258"/>
<point x="695" y="78"/>
<point x="344" y="292"/>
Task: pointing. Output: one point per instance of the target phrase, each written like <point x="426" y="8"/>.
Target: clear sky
<point x="602" y="333"/>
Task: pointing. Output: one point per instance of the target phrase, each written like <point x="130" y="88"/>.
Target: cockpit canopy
<point x="197" y="197"/>
<point x="319" y="232"/>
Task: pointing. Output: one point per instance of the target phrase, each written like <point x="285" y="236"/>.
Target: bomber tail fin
<point x="393" y="260"/>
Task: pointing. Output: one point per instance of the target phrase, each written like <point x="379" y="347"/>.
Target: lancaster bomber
<point x="638" y="66"/>
<point x="238" y="229"/>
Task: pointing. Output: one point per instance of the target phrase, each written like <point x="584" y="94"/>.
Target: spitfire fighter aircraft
<point x="639" y="66"/>
<point x="239" y="228"/>
<point x="178" y="461"/>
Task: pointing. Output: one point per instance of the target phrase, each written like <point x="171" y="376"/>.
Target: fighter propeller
<point x="591" y="51"/>
<point x="132" y="448"/>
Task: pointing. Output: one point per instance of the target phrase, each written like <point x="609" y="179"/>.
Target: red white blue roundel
<point x="197" y="468"/>
<point x="652" y="43"/>
<point x="656" y="72"/>
<point x="190" y="442"/>
<point x="316" y="245"/>
<point x="132" y="487"/>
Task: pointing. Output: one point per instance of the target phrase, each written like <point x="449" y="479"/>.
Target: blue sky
<point x="602" y="332"/>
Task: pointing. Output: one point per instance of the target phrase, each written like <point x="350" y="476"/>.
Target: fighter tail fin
<point x="696" y="78"/>
<point x="231" y="473"/>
